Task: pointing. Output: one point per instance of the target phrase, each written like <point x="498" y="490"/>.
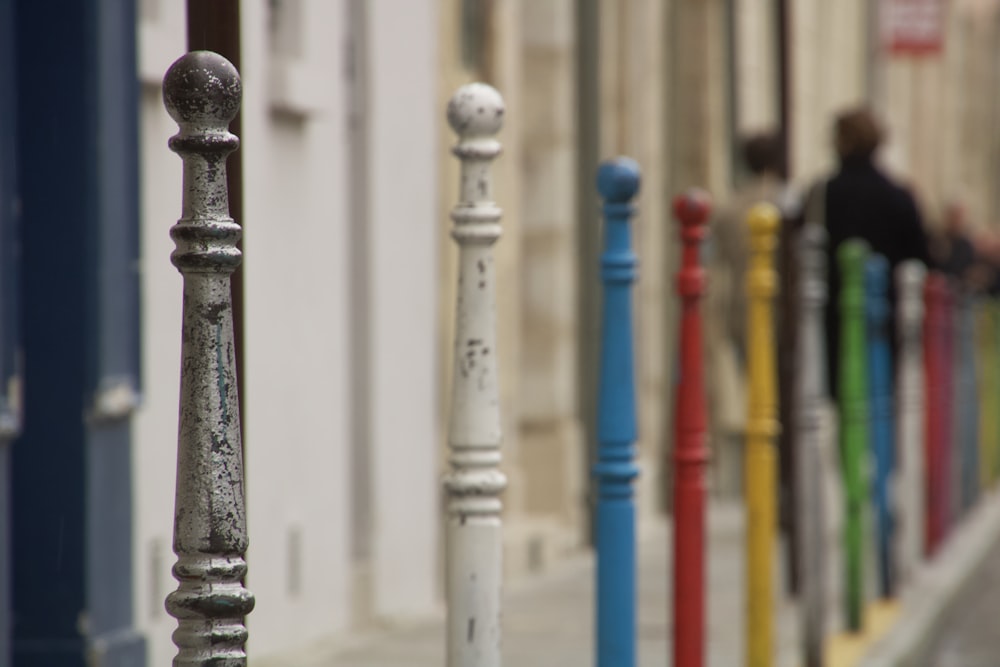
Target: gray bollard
<point x="810" y="388"/>
<point x="911" y="481"/>
<point x="202" y="93"/>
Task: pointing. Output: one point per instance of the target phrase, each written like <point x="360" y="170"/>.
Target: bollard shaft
<point x="910" y="381"/>
<point x="880" y="405"/>
<point x="987" y="392"/>
<point x="202" y="93"/>
<point x="615" y="470"/>
<point x="811" y="390"/>
<point x="853" y="402"/>
<point x="762" y="434"/>
<point x="935" y="300"/>
<point x="690" y="451"/>
<point x="473" y="485"/>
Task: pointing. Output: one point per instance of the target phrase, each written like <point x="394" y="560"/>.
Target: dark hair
<point x="762" y="153"/>
<point x="857" y="133"/>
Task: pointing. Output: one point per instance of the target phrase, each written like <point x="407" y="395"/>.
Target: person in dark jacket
<point x="862" y="201"/>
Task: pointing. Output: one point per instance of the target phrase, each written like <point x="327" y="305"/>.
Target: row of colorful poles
<point x="941" y="473"/>
<point x="918" y="431"/>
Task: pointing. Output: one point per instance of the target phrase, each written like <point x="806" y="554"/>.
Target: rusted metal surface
<point x="202" y="93"/>
<point x="474" y="483"/>
<point x="215" y="26"/>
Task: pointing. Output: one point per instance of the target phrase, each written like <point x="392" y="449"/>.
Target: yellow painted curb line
<point x="846" y="650"/>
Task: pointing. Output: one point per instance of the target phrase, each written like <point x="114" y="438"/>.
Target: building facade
<point x="349" y="276"/>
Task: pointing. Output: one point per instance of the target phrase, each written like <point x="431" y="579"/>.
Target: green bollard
<point x="854" y="428"/>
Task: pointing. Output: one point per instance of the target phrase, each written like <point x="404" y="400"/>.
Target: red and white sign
<point x="913" y="27"/>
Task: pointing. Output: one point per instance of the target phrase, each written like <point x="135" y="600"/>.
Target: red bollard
<point x="936" y="315"/>
<point x="690" y="450"/>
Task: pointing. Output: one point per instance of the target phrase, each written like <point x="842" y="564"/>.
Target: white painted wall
<point x="403" y="156"/>
<point x="161" y="41"/>
<point x="296" y="402"/>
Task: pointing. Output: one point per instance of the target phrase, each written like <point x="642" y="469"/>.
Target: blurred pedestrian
<point x="861" y="201"/>
<point x="953" y="250"/>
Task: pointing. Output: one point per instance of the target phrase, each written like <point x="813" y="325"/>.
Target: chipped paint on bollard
<point x="473" y="485"/>
<point x="202" y="92"/>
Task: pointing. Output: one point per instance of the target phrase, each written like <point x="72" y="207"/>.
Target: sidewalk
<point x="962" y="582"/>
<point x="548" y="620"/>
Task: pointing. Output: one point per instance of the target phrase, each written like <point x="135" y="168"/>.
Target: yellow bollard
<point x="762" y="433"/>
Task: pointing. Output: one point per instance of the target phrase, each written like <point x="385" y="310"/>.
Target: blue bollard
<point x="615" y="470"/>
<point x="881" y="412"/>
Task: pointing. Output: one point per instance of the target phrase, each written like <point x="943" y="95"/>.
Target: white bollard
<point x="202" y="93"/>
<point x="474" y="484"/>
<point x="811" y="391"/>
<point x="909" y="479"/>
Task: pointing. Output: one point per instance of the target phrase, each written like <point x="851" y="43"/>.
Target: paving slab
<point x="548" y="619"/>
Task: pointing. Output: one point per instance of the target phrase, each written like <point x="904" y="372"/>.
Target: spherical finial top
<point x="763" y="219"/>
<point x="851" y="255"/>
<point x="476" y="110"/>
<point x="936" y="286"/>
<point x="693" y="207"/>
<point x="202" y="88"/>
<point x="813" y="235"/>
<point x="911" y="272"/>
<point x="618" y="180"/>
<point x="877" y="273"/>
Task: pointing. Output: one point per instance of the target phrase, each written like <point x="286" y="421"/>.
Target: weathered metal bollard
<point x="880" y="413"/>
<point x="911" y="484"/>
<point x="965" y="410"/>
<point x="810" y="386"/>
<point x="615" y="470"/>
<point x="474" y="484"/>
<point x="690" y="450"/>
<point x="202" y="93"/>
<point x="853" y="401"/>
<point x="762" y="434"/>
<point x="935" y="368"/>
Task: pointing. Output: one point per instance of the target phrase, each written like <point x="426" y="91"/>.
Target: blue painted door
<point x="71" y="503"/>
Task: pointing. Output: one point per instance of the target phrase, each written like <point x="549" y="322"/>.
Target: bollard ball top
<point x="911" y="272"/>
<point x="877" y="272"/>
<point x="936" y="285"/>
<point x="763" y="219"/>
<point x="813" y="235"/>
<point x="476" y="110"/>
<point x="618" y="180"/>
<point x="693" y="207"/>
<point x="851" y="254"/>
<point x="202" y="88"/>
